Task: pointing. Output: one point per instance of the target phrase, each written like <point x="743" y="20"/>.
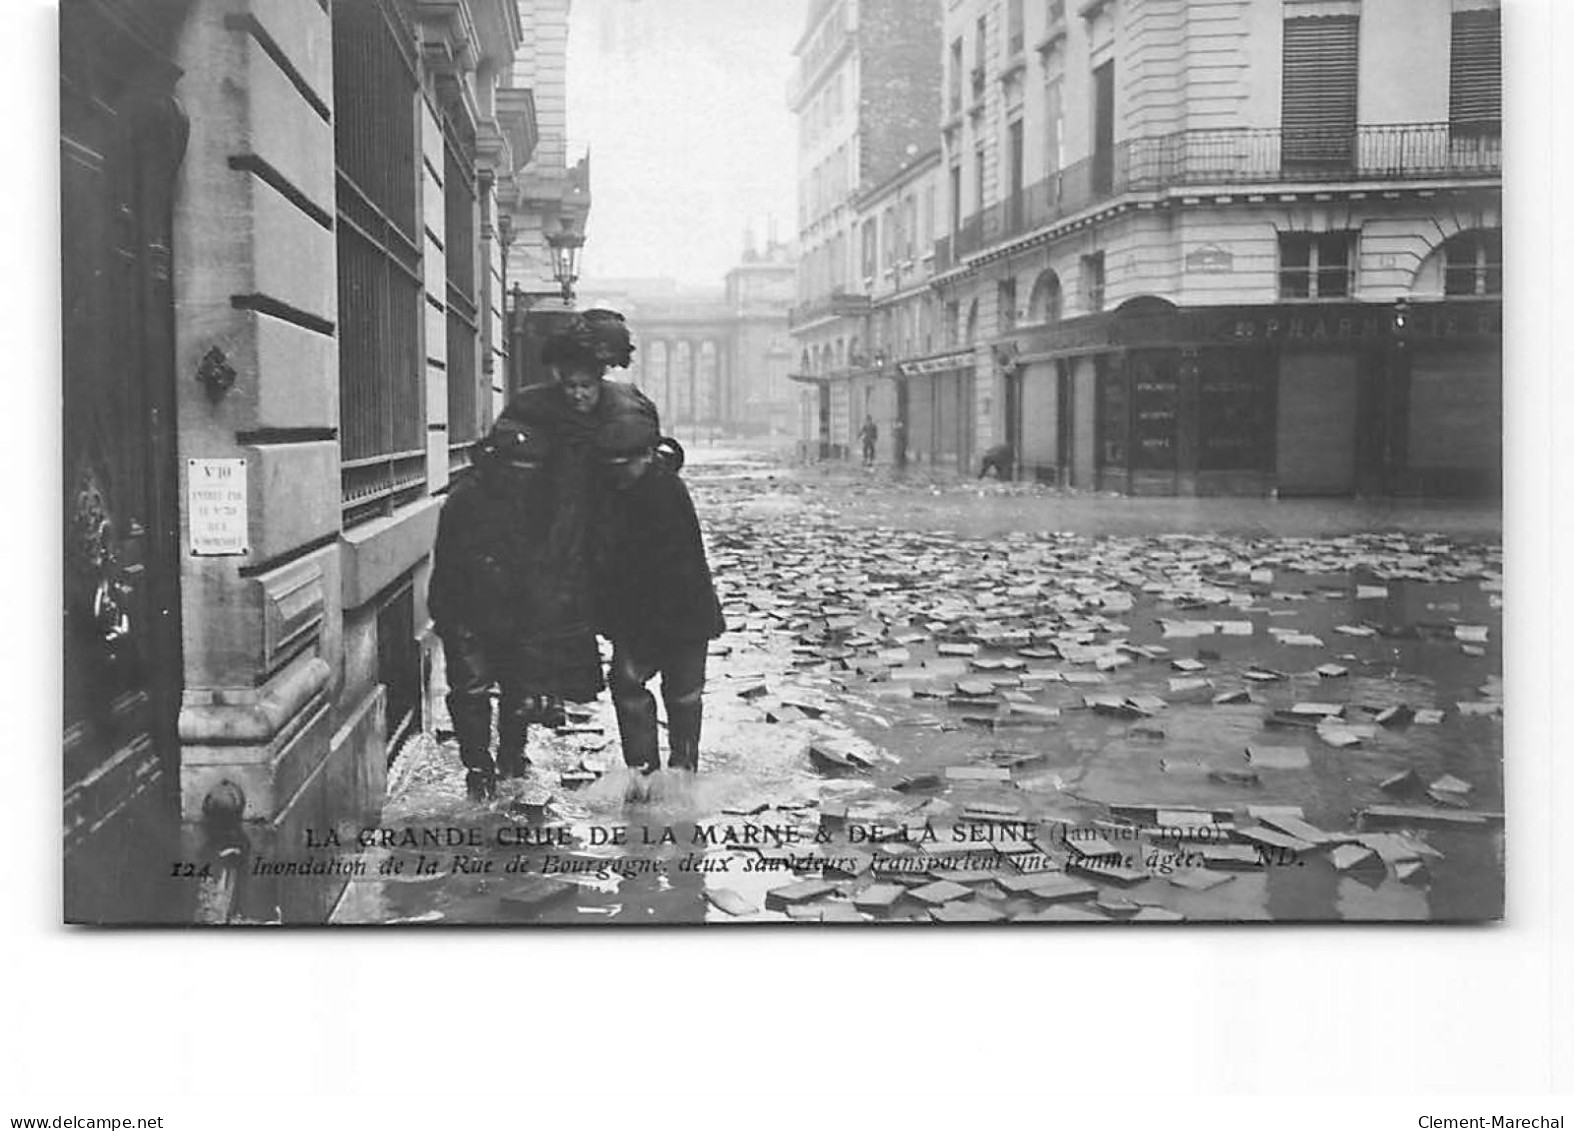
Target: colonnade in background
<point x="686" y="377"/>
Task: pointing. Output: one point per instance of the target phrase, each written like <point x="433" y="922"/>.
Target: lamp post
<point x="1396" y="394"/>
<point x="565" y="246"/>
<point x="505" y="240"/>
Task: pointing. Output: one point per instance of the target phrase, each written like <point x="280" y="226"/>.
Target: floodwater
<point x="840" y="594"/>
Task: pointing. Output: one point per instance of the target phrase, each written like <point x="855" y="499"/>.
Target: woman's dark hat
<point x="597" y="338"/>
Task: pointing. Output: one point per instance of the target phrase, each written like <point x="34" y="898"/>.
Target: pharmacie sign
<point x="1365" y="322"/>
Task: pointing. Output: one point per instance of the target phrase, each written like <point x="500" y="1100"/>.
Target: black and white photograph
<point x="786" y="562"/>
<point x="916" y="461"/>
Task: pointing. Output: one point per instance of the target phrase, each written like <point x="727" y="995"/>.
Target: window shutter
<point x="1475" y="88"/>
<point x="1319" y="100"/>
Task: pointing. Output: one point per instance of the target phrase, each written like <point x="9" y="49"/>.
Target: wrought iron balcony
<point x="835" y="304"/>
<point x="1237" y="158"/>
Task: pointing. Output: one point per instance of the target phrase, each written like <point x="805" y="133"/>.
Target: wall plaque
<point x="216" y="506"/>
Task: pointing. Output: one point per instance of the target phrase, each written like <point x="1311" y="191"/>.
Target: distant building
<point x="905" y="371"/>
<point x="865" y="92"/>
<point x="549" y="199"/>
<point x="1232" y="246"/>
<point x="760" y="291"/>
<point x="714" y="359"/>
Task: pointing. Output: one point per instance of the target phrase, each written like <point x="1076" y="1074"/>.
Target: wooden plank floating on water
<point x="1388" y="816"/>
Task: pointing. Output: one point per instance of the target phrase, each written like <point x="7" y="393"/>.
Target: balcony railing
<point x="1204" y="158"/>
<point x="836" y="303"/>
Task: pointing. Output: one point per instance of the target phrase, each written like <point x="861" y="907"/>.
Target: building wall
<point x="285" y="692"/>
<point x="255" y="280"/>
<point x="891" y="71"/>
<point x="548" y="186"/>
<point x="899" y="84"/>
<point x="1198" y="66"/>
<point x="825" y="99"/>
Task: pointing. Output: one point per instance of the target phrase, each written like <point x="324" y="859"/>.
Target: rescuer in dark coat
<point x="654" y="595"/>
<point x="569" y="411"/>
<point x="499" y="606"/>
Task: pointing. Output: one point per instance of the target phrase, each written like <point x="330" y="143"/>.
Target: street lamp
<point x="505" y="241"/>
<point x="565" y="247"/>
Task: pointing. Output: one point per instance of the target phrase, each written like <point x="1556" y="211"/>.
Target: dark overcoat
<point x="654" y="586"/>
<point x="492" y="579"/>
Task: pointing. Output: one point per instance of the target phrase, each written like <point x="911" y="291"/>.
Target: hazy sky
<point x="683" y="104"/>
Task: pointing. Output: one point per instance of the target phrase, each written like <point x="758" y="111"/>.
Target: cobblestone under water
<point x="945" y="701"/>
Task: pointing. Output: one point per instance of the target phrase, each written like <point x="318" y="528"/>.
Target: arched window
<point x="1473" y="263"/>
<point x="1044" y="303"/>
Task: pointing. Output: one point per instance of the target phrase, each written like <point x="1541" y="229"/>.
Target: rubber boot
<point x="513" y="732"/>
<point x="683" y="735"/>
<point x="636" y="711"/>
<point x="471" y="715"/>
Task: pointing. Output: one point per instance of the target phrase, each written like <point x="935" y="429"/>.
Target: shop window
<point x="1473" y="263"/>
<point x="1155" y="404"/>
<point x="1316" y="264"/>
<point x="1093" y="280"/>
<point x="1235" y="412"/>
<point x="1114" y="416"/>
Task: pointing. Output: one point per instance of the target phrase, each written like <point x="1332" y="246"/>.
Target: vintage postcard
<point x="818" y="461"/>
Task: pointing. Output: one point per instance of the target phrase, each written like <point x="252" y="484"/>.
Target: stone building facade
<point x="1229" y="246"/>
<point x="759" y="295"/>
<point x="864" y="92"/>
<point x="296" y="203"/>
<point x="908" y="368"/>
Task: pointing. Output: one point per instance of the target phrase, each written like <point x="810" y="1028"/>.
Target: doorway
<point x="122" y="138"/>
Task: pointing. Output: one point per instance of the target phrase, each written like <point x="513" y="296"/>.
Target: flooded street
<point x="964" y="702"/>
